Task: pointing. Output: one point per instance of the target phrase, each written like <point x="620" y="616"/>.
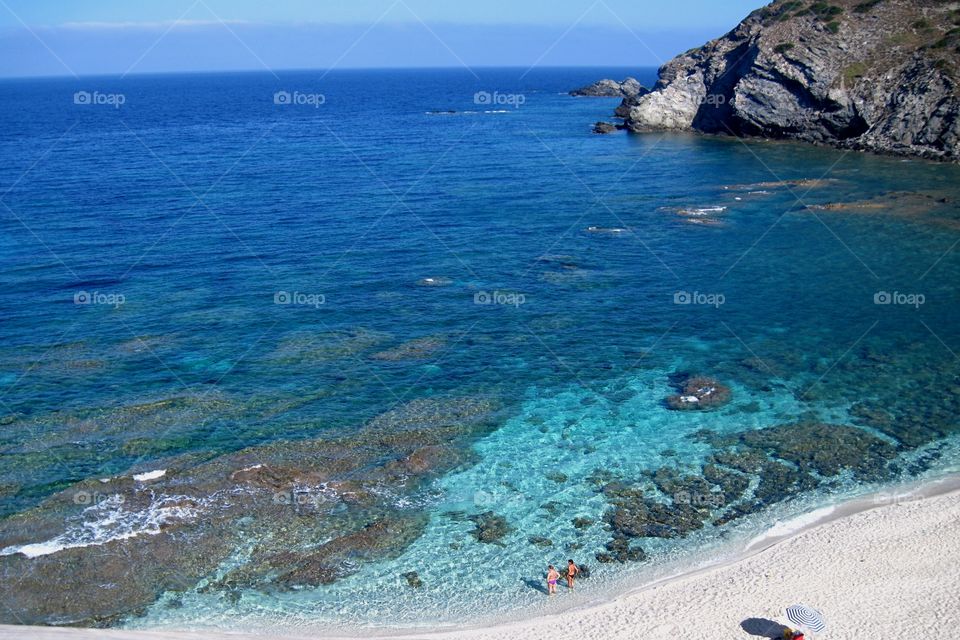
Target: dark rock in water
<point x="851" y="75"/>
<point x="700" y="393"/>
<point x="778" y="482"/>
<point x="413" y="579"/>
<point x="647" y="518"/>
<point x="732" y="485"/>
<point x="925" y="461"/>
<point x="412" y="349"/>
<point x="745" y="460"/>
<point x="687" y="489"/>
<point x="619" y="549"/>
<point x="556" y="476"/>
<point x="604" y="127"/>
<point x="490" y="527"/>
<point x="749" y="407"/>
<point x="582" y="523"/>
<point x="611" y="89"/>
<point x="825" y="448"/>
<point x="552" y="507"/>
<point x="311" y="512"/>
<point x="540" y="541"/>
<point x="870" y="416"/>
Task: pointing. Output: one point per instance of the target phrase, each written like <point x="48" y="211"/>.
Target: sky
<point x="93" y="37"/>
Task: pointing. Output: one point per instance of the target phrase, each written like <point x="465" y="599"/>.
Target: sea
<point x="436" y="299"/>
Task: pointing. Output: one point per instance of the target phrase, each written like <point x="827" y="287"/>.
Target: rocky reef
<point x="748" y="472"/>
<point x="299" y="514"/>
<point x="877" y="75"/>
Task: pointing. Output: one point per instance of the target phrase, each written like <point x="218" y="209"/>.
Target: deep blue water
<point x="190" y="211"/>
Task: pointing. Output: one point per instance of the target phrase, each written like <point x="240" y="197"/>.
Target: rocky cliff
<point x="878" y="75"/>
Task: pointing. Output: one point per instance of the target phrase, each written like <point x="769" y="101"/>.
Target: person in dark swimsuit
<point x="572" y="571"/>
<point x="552" y="576"/>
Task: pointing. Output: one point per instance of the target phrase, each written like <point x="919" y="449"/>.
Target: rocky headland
<point x="873" y="75"/>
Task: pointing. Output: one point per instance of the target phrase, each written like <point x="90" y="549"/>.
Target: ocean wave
<point x="453" y="112"/>
<point x="150" y="475"/>
<point x="702" y="211"/>
<point x="108" y="521"/>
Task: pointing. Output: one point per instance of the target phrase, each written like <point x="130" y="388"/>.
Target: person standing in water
<point x="552" y="576"/>
<point x="572" y="571"/>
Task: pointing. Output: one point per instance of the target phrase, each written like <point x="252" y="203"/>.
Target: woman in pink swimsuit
<point x="552" y="576"/>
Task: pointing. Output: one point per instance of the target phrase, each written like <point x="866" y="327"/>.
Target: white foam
<point x="108" y="521"/>
<point x="150" y="475"/>
<point x="784" y="528"/>
<point x="703" y="211"/>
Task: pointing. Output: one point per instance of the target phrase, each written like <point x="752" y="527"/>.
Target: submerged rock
<point x="826" y="449"/>
<point x="306" y="347"/>
<point x="700" y="393"/>
<point x="604" y="127"/>
<point x="619" y="549"/>
<point x="305" y="513"/>
<point x="413" y="579"/>
<point x="540" y="541"/>
<point x="641" y="517"/>
<point x="412" y="349"/>
<point x="490" y="527"/>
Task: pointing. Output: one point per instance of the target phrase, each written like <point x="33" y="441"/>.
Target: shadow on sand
<point x="763" y="628"/>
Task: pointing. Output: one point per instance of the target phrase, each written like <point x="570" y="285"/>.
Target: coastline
<point x="895" y="546"/>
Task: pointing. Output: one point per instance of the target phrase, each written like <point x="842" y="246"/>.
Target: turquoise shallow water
<point x="345" y="260"/>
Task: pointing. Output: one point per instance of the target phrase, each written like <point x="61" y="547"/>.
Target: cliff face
<point x="879" y="75"/>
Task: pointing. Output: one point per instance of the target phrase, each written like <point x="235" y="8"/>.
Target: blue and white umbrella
<point x="806" y="618"/>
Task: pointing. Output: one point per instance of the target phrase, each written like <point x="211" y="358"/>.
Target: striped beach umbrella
<point x="806" y="618"/>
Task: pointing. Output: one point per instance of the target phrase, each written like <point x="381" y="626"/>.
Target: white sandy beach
<point x="884" y="565"/>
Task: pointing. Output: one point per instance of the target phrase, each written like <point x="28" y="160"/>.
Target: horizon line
<point x="325" y="70"/>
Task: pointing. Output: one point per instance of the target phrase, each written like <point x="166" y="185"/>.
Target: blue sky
<point x="82" y="37"/>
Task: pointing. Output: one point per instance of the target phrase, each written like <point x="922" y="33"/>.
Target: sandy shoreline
<point x="888" y="561"/>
